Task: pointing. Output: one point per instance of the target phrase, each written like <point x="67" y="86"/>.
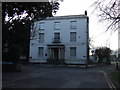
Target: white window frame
<point x="40" y="53"/>
<point x="41" y="25"/>
<point x="57" y="25"/>
<point x="73" y="37"/>
<point x="72" y="51"/>
<point x="41" y="38"/>
<point x="73" y="24"/>
<point x="57" y="36"/>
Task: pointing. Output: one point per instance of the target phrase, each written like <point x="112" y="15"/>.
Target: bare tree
<point x="108" y="10"/>
<point x="33" y="31"/>
<point x="35" y="27"/>
<point x="91" y="42"/>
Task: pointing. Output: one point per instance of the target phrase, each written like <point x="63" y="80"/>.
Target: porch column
<point x="62" y="51"/>
<point x="59" y="50"/>
<point x="49" y="53"/>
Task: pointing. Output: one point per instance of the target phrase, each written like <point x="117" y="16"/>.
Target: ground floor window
<point x="41" y="37"/>
<point x="40" y="51"/>
<point x="72" y="51"/>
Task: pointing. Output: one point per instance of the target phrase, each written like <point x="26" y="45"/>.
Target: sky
<point x="96" y="28"/>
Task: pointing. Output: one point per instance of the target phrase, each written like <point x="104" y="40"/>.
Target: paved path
<point x="49" y="76"/>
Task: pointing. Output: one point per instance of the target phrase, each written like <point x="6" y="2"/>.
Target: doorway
<point x="56" y="54"/>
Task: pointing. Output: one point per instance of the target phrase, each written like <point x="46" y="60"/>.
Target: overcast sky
<point x="96" y="29"/>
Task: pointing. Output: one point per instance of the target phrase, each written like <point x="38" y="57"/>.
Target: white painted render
<point x="80" y="44"/>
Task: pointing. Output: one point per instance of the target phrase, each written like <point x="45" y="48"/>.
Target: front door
<point x="56" y="54"/>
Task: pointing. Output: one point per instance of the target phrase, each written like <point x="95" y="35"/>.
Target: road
<point x="50" y="76"/>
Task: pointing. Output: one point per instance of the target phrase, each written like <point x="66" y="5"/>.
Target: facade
<point x="61" y="39"/>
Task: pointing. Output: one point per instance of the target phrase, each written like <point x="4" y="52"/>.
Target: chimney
<point x="85" y="12"/>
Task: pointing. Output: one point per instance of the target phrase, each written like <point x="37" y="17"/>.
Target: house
<point x="60" y="39"/>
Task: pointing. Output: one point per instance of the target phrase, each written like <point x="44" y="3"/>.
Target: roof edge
<point x="66" y="17"/>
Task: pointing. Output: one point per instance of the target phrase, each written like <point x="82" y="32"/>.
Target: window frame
<point x="41" y="40"/>
<point x="73" y="38"/>
<point x="73" y="53"/>
<point x="56" y="37"/>
<point x="42" y="24"/>
<point x="73" y="24"/>
<point x="39" y="52"/>
<point x="57" y="25"/>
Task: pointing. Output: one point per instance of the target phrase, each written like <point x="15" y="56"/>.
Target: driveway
<point x="51" y="76"/>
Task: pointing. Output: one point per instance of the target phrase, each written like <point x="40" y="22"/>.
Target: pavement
<point x="60" y="76"/>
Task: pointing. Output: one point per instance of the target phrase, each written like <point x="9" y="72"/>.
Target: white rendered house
<point x="60" y="39"/>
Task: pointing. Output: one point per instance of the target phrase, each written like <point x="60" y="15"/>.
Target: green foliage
<point x="16" y="32"/>
<point x="103" y="53"/>
<point x="36" y="10"/>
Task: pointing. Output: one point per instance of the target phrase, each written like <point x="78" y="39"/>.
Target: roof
<point x="64" y="17"/>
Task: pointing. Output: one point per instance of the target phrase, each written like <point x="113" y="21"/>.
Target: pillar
<point x="49" y="53"/>
<point x="59" y="50"/>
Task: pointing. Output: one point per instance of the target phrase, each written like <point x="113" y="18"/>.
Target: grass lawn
<point x="116" y="76"/>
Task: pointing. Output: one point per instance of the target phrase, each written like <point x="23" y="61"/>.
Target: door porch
<point x="56" y="54"/>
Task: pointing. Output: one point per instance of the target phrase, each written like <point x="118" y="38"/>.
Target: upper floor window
<point x="56" y="25"/>
<point x="41" y="37"/>
<point x="73" y="24"/>
<point x="56" y="37"/>
<point x="41" y="26"/>
<point x="72" y="36"/>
